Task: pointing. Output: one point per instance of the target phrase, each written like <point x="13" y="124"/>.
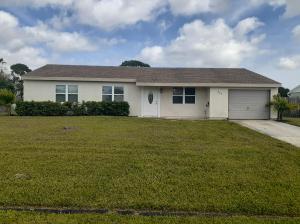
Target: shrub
<point x="7" y="98"/>
<point x="72" y="109"/>
<point x="281" y="105"/>
<point x="40" y="109"/>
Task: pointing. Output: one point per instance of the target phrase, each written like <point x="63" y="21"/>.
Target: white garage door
<point x="249" y="104"/>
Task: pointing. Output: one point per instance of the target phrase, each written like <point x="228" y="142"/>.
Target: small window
<point x="190" y="94"/>
<point x="113" y="93"/>
<point x="118" y="94"/>
<point x="184" y="95"/>
<point x="66" y="93"/>
<point x="177" y="95"/>
<point x="60" y="93"/>
<point x="73" y="93"/>
<point x="107" y="94"/>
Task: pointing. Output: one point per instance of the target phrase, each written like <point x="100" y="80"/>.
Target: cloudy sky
<point x="261" y="35"/>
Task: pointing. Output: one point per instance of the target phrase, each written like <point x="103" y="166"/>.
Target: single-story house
<point x="213" y="93"/>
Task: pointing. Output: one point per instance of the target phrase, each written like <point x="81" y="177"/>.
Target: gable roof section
<point x="152" y="76"/>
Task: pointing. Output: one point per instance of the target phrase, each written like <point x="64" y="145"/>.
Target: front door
<point x="150" y="102"/>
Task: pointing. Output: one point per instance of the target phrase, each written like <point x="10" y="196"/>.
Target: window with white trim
<point x="112" y="93"/>
<point x="184" y="95"/>
<point x="66" y="93"/>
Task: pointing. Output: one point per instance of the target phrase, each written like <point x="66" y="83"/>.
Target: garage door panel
<point x="249" y="104"/>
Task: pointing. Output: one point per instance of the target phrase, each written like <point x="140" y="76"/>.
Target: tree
<point x="20" y="69"/>
<point x="17" y="71"/>
<point x="283" y="92"/>
<point x="7" y="98"/>
<point x="6" y="83"/>
<point x="134" y="63"/>
<point x="281" y="105"/>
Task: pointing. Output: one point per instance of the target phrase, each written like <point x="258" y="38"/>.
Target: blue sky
<point x="261" y="35"/>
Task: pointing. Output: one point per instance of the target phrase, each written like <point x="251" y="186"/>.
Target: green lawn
<point x="38" y="218"/>
<point x="131" y="163"/>
<point x="293" y="121"/>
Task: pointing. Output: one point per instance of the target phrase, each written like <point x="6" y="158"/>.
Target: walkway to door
<point x="284" y="132"/>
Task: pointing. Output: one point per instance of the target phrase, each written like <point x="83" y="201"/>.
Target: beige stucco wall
<point x="218" y="103"/>
<point x="87" y="91"/>
<point x="170" y="110"/>
<point x="92" y="91"/>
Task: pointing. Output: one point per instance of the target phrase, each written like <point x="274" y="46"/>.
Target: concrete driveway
<point x="284" y="132"/>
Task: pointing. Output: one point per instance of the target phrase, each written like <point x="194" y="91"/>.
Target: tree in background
<point x="7" y="98"/>
<point x="283" y="92"/>
<point x="17" y="71"/>
<point x="20" y="69"/>
<point x="6" y="83"/>
<point x="2" y="63"/>
<point x="134" y="63"/>
<point x="281" y="105"/>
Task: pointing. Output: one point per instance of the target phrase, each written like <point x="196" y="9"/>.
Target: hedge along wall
<point x="91" y="108"/>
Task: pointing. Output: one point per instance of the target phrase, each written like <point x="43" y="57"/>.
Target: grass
<point x="131" y="163"/>
<point x="293" y="121"/>
<point x="39" y="218"/>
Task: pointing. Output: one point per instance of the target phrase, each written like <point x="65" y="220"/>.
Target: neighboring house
<point x="214" y="93"/>
<point x="295" y="93"/>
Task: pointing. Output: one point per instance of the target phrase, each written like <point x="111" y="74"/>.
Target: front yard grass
<point x="11" y="217"/>
<point x="151" y="164"/>
<point x="292" y="121"/>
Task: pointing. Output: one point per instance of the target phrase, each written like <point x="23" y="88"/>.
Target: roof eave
<point x="234" y="85"/>
<point x="80" y="79"/>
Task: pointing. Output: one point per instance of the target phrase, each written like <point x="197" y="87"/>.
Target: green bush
<point x="72" y="109"/>
<point x="6" y="97"/>
<point x="280" y="104"/>
<point x="40" y="109"/>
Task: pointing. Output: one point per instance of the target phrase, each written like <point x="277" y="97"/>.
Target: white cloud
<point x="57" y="40"/>
<point x="26" y="43"/>
<point x="290" y="63"/>
<point x="36" y="3"/>
<point x="111" y="14"/>
<point x="247" y="25"/>
<point x="296" y="32"/>
<point x="292" y="7"/>
<point x="206" y="45"/>
<point x="190" y="7"/>
<point x="33" y="57"/>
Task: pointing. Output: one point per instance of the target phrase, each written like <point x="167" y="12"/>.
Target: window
<point x="66" y="93"/>
<point x="60" y="93"/>
<point x="72" y="93"/>
<point x="177" y="95"/>
<point x="184" y="95"/>
<point x="189" y="95"/>
<point x="113" y="93"/>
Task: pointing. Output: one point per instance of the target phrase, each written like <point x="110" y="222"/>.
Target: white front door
<point x="150" y="102"/>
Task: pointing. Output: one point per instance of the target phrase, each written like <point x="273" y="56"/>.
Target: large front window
<point x="184" y="95"/>
<point x="66" y="93"/>
<point x="113" y="93"/>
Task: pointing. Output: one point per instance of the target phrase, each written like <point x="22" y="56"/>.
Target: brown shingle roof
<point x="153" y="75"/>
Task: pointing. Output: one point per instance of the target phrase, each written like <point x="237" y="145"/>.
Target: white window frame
<point x="183" y="95"/>
<point x="113" y="94"/>
<point x="66" y="93"/>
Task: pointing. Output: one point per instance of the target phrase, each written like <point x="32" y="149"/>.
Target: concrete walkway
<point x="284" y="132"/>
